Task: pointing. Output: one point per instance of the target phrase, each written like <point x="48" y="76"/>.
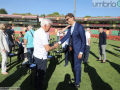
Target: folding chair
<point x="10" y="56"/>
<point x="28" y="66"/>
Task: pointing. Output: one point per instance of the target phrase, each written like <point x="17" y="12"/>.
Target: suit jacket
<point x="3" y="42"/>
<point x="78" y="38"/>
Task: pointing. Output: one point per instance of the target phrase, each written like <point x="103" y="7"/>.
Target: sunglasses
<point x="67" y="19"/>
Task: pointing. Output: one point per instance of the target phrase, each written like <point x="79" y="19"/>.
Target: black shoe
<point x="86" y="62"/>
<point x="102" y="62"/>
<point x="98" y="60"/>
<point x="74" y="85"/>
<point x="65" y="65"/>
<point x="18" y="58"/>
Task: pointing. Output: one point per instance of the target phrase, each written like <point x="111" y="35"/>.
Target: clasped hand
<point x="56" y="45"/>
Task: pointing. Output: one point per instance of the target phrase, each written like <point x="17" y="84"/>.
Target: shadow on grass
<point x="13" y="64"/>
<point x="50" y="70"/>
<point x="114" y="45"/>
<point x="95" y="43"/>
<point x="65" y="84"/>
<point x="115" y="66"/>
<point x="13" y="78"/>
<point x="27" y="84"/>
<point x="117" y="49"/>
<point x="94" y="55"/>
<point x="97" y="82"/>
<point x="113" y="53"/>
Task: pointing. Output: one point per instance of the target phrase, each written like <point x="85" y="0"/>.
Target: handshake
<point x="56" y="45"/>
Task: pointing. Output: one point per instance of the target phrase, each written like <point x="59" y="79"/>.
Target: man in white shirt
<point x="48" y="35"/>
<point x="41" y="48"/>
<point x="86" y="54"/>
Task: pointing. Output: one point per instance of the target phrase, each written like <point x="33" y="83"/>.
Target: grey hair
<point x="87" y="29"/>
<point x="45" y="21"/>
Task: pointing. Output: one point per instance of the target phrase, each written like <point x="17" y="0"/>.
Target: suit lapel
<point x="75" y="28"/>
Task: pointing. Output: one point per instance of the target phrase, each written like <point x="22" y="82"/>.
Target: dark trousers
<point x="72" y="54"/>
<point x="20" y="50"/>
<point x="41" y="66"/>
<point x="30" y="54"/>
<point x="77" y="68"/>
<point x="66" y="54"/>
<point x="86" y="54"/>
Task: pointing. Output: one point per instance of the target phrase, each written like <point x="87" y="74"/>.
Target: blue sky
<point x="83" y="7"/>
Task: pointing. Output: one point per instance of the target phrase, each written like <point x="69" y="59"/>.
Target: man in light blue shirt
<point x="28" y="40"/>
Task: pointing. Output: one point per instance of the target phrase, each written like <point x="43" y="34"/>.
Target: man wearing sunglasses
<point x="76" y="34"/>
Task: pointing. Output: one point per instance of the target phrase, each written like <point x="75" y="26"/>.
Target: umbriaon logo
<point x="106" y="3"/>
<point x="118" y="3"/>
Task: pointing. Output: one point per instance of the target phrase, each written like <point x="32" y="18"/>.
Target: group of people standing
<point x="37" y="45"/>
<point x="7" y="43"/>
<point x="78" y="45"/>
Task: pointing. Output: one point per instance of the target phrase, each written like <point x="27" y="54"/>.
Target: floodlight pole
<point x="75" y="8"/>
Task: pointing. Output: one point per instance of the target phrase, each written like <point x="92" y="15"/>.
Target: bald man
<point x="28" y="40"/>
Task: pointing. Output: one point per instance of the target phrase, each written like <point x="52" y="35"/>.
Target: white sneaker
<point x="24" y="63"/>
<point x="15" y="52"/>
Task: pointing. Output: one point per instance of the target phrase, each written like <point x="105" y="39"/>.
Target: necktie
<point x="70" y="41"/>
<point x="71" y="30"/>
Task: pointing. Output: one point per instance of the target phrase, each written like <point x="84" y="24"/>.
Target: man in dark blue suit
<point x="76" y="34"/>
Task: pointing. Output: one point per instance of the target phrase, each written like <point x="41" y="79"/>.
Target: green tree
<point x="55" y="14"/>
<point x="42" y="15"/>
<point x="28" y="14"/>
<point x="87" y="16"/>
<point x="3" y="11"/>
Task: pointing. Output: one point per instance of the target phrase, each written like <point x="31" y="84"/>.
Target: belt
<point x="70" y="48"/>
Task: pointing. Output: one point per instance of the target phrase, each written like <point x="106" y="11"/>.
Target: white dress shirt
<point x="72" y="28"/>
<point x="87" y="37"/>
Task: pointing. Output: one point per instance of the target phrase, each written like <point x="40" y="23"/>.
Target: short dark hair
<point x="20" y="32"/>
<point x="70" y="15"/>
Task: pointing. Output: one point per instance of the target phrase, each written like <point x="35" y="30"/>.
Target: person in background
<point x="65" y="45"/>
<point x="28" y="41"/>
<point x="14" y="42"/>
<point x="61" y="34"/>
<point x="19" y="36"/>
<point x="21" y="49"/>
<point x="58" y="35"/>
<point x="25" y="51"/>
<point x="10" y="35"/>
<point x="63" y="30"/>
<point x="102" y="45"/>
<point x="86" y="54"/>
<point x="12" y="29"/>
<point x="4" y="48"/>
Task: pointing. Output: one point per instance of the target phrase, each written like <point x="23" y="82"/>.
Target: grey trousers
<point x="102" y="52"/>
<point x="4" y="61"/>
